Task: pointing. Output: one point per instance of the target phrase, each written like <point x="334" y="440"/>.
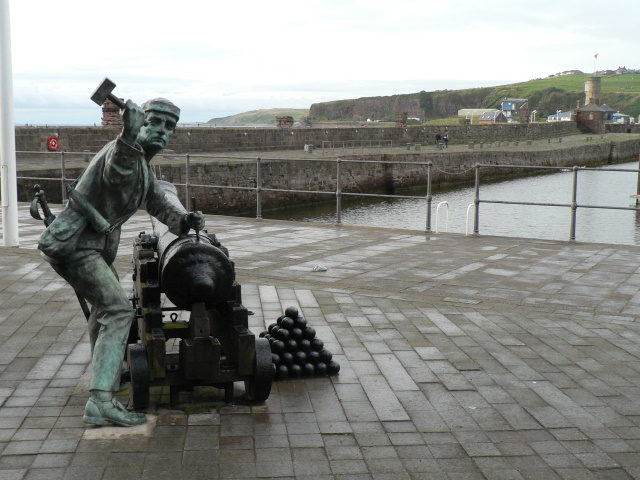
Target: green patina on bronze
<point x="82" y="242"/>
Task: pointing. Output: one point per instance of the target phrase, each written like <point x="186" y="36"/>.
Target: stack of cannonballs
<point x="295" y="349"/>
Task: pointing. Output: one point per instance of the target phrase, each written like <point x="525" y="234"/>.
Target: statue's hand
<point x="194" y="220"/>
<point x="133" y="119"/>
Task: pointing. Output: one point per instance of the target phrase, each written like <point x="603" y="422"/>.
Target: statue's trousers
<point x="110" y="319"/>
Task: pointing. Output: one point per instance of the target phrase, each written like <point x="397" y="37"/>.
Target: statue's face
<point x="156" y="131"/>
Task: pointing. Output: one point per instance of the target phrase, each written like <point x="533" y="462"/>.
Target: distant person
<point x="438" y="138"/>
<point x="445" y="140"/>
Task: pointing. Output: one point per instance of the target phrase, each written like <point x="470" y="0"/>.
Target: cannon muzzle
<point x="191" y="269"/>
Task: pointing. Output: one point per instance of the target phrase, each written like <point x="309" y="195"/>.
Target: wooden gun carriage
<point x="216" y="347"/>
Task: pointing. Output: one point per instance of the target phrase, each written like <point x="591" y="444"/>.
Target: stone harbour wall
<point x="317" y="175"/>
<point x="205" y="139"/>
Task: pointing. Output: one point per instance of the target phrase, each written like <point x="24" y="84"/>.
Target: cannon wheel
<point x="139" y="370"/>
<point x="258" y="387"/>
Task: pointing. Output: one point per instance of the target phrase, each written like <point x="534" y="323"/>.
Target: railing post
<point x="188" y="182"/>
<point x="338" y="193"/>
<point x="258" y="191"/>
<point x="574" y="204"/>
<point x="476" y="202"/>
<point x="429" y="196"/>
<point x="63" y="175"/>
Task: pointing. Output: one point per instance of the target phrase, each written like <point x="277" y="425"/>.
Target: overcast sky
<point x="215" y="58"/>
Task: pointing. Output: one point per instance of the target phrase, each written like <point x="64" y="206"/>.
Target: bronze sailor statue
<point x="82" y="242"/>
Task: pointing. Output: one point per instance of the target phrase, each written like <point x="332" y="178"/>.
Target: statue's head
<point x="160" y="120"/>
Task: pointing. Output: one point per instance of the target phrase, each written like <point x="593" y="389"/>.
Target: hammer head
<point x="103" y="91"/>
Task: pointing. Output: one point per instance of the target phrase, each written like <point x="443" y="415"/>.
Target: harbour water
<point x="593" y="225"/>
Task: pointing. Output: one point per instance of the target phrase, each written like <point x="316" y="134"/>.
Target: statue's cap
<point x="161" y="105"/>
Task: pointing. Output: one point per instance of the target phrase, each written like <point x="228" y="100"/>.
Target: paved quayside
<point x="461" y="357"/>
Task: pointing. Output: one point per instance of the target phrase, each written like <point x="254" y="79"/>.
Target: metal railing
<point x="573" y="206"/>
<point x="258" y="189"/>
<point x="339" y="194"/>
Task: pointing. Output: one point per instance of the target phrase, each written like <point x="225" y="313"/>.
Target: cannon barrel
<point x="191" y="270"/>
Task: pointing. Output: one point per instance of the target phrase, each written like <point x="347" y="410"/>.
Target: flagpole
<point x="7" y="135"/>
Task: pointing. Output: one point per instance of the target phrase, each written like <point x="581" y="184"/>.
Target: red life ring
<point x="53" y="144"/>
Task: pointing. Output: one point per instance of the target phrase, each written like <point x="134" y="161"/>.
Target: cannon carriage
<point x="215" y="346"/>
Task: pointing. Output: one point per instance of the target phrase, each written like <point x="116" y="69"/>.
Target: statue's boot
<point x="102" y="412"/>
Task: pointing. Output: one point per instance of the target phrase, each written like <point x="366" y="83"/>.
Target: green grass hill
<point x="621" y="92"/>
<point x="261" y="117"/>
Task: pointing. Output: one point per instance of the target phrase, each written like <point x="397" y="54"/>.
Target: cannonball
<point x="308" y="370"/>
<point x="275" y="359"/>
<point x="300" y="357"/>
<point x="291" y="345"/>
<point x="272" y="327"/>
<point x="286" y="358"/>
<point x="325" y="355"/>
<point x="277" y="346"/>
<point x="300" y="322"/>
<point x="287" y="323"/>
<point x="283" y="334"/>
<point x="313" y="356"/>
<point x="295" y="370"/>
<point x="304" y="345"/>
<point x="333" y="367"/>
<point x="262" y="334"/>
<point x="282" y="371"/>
<point x="321" y="368"/>
<point x="296" y="333"/>
<point x="279" y="319"/>
<point x="268" y="336"/>
<point x="317" y="344"/>
<point x="291" y="312"/>
<point x="309" y="333"/>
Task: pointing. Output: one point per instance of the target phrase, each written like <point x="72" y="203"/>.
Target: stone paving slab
<point x="461" y="357"/>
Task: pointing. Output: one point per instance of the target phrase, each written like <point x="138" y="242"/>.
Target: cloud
<point x="231" y="56"/>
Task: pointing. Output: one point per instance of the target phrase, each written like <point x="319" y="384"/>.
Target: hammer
<point x="103" y="93"/>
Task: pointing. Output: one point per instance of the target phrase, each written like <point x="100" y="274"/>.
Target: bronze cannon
<point x="191" y="273"/>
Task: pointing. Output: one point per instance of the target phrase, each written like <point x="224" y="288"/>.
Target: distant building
<point x="621" y="118"/>
<point x="590" y="118"/>
<point x="561" y="117"/>
<point x="608" y="111"/>
<point x="285" y="121"/>
<point x="592" y="88"/>
<point x="472" y="115"/>
<point x="494" y="116"/>
<point x="515" y="109"/>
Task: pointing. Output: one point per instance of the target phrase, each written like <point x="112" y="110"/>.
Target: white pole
<point x="7" y="134"/>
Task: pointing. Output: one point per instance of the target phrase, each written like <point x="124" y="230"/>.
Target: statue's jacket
<point x="115" y="184"/>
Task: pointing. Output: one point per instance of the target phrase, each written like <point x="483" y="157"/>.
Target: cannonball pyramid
<point x="295" y="349"/>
